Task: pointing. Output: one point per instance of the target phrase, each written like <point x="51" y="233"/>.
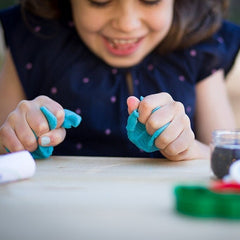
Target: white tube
<point x="16" y="166"/>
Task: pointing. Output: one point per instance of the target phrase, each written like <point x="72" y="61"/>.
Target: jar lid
<point x="199" y="201"/>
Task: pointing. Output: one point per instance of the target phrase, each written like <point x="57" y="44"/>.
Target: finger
<point x="16" y="122"/>
<point x="54" y="107"/>
<point x="149" y="103"/>
<point x="25" y="134"/>
<point x="173" y="130"/>
<point x="180" y="144"/>
<point x="132" y="103"/>
<point x="9" y="140"/>
<point x="37" y="122"/>
<point x="160" y="117"/>
<point x="53" y="137"/>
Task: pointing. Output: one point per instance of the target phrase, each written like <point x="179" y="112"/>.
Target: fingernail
<point x="45" y="141"/>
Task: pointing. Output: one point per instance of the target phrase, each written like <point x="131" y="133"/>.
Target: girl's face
<point x="122" y="32"/>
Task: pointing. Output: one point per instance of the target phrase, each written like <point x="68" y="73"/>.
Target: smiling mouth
<point x="123" y="43"/>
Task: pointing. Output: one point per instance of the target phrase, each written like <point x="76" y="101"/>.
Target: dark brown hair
<point x="193" y="22"/>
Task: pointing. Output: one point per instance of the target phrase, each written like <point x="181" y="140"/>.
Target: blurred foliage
<point x="233" y="13"/>
<point x="6" y="3"/>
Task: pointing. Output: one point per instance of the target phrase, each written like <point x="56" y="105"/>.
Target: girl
<point x="90" y="56"/>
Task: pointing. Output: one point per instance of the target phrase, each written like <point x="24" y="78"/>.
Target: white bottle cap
<point x="16" y="166"/>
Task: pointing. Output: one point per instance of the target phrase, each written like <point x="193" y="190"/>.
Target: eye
<point x="99" y="3"/>
<point x="150" y="2"/>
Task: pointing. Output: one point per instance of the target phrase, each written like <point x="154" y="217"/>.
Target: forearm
<point x="11" y="90"/>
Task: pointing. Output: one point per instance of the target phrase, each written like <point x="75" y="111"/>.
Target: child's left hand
<point x="177" y="141"/>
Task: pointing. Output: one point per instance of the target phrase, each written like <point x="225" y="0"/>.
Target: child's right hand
<point x="177" y="141"/>
<point x="17" y="132"/>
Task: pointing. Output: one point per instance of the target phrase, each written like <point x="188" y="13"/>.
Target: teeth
<point x="123" y="41"/>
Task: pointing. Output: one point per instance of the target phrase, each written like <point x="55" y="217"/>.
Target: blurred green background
<point x="6" y="3"/>
<point x="234" y="13"/>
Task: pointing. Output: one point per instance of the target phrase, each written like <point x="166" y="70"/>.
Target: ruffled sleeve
<point x="218" y="52"/>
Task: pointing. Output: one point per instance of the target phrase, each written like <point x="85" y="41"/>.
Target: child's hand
<point x="177" y="141"/>
<point x="17" y="132"/>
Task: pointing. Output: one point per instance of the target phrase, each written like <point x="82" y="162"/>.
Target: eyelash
<point x="99" y="4"/>
<point x="103" y="4"/>
<point x="151" y="3"/>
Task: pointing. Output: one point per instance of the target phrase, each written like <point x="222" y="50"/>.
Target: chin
<point x="123" y="63"/>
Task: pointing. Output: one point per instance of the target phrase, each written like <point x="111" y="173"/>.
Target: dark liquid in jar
<point x="223" y="157"/>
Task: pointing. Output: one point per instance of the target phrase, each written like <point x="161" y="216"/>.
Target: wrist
<point x="197" y="150"/>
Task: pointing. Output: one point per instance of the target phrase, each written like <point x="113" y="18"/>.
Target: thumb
<point x="132" y="103"/>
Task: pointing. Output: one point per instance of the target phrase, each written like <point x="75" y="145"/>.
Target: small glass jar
<point x="225" y="149"/>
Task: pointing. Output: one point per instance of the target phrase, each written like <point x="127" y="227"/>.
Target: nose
<point x="127" y="20"/>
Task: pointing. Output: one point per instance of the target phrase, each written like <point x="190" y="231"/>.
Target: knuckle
<point x="152" y="124"/>
<point x="179" y="106"/>
<point x="167" y="96"/>
<point x="60" y="115"/>
<point x="12" y="117"/>
<point x="163" y="143"/>
<point x="166" y="139"/>
<point x="28" y="140"/>
<point x="41" y="98"/>
<point x="41" y="128"/>
<point x="176" y="148"/>
<point x="145" y="104"/>
<point x="30" y="144"/>
<point x="14" y="146"/>
<point x="24" y="106"/>
<point x="192" y="135"/>
<point x="4" y="131"/>
<point x="171" y="150"/>
<point x="184" y="120"/>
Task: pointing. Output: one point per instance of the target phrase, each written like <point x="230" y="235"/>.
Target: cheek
<point x="87" y="22"/>
<point x="161" y="19"/>
<point x="161" y="23"/>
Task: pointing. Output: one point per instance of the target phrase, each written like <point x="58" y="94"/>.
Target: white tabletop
<point x="107" y="198"/>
